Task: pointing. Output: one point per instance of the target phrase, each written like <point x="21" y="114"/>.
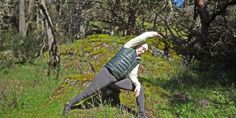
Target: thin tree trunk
<point x="131" y="22"/>
<point x="54" y="61"/>
<point x="170" y="5"/>
<point x="155" y="21"/>
<point x="143" y="21"/>
<point x="186" y="3"/>
<point x="81" y="33"/>
<point x="22" y="22"/>
<point x="37" y="18"/>
<point x="29" y="13"/>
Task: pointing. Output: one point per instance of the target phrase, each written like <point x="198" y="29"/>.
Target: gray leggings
<point x="103" y="79"/>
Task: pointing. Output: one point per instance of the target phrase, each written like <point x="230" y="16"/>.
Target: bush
<point x="25" y="49"/>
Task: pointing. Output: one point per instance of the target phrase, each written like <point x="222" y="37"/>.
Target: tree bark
<point x="170" y="6"/>
<point x="22" y="22"/>
<point x="131" y="23"/>
<point x="155" y="21"/>
<point x="29" y="15"/>
<point x="186" y="3"/>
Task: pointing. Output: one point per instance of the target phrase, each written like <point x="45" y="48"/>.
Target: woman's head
<point x="141" y="49"/>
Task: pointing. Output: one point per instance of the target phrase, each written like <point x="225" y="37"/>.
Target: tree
<point x="54" y="57"/>
<point x="22" y="22"/>
<point x="206" y="18"/>
<point x="205" y="33"/>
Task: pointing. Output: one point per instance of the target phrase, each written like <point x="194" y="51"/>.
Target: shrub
<point x="25" y="49"/>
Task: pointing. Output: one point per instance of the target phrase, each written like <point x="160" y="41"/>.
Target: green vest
<point x="123" y="63"/>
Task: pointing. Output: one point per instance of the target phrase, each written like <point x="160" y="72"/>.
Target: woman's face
<point x="140" y="50"/>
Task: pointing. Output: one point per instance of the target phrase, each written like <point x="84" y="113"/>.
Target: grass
<point x="172" y="90"/>
<point x="24" y="87"/>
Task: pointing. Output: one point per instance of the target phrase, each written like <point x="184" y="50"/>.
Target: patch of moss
<point x="100" y="38"/>
<point x="128" y="98"/>
<point x="81" y="77"/>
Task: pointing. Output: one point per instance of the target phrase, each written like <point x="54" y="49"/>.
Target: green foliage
<point x="99" y="25"/>
<point x="6" y="40"/>
<point x="7" y="59"/>
<point x="24" y="49"/>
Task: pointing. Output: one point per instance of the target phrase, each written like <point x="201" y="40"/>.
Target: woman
<point x="120" y="71"/>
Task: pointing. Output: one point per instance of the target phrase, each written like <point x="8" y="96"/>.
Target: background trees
<point x="201" y="29"/>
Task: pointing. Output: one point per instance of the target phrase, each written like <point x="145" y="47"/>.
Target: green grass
<point x="171" y="89"/>
<point x="24" y="87"/>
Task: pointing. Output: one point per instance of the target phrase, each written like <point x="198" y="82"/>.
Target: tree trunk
<point x="22" y="22"/>
<point x="131" y="24"/>
<point x="155" y="21"/>
<point x="131" y="18"/>
<point x="38" y="12"/>
<point x="81" y="27"/>
<point x="170" y="6"/>
<point x="54" y="61"/>
<point x="143" y="21"/>
<point x="201" y="14"/>
<point x="29" y="14"/>
<point x="186" y="3"/>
